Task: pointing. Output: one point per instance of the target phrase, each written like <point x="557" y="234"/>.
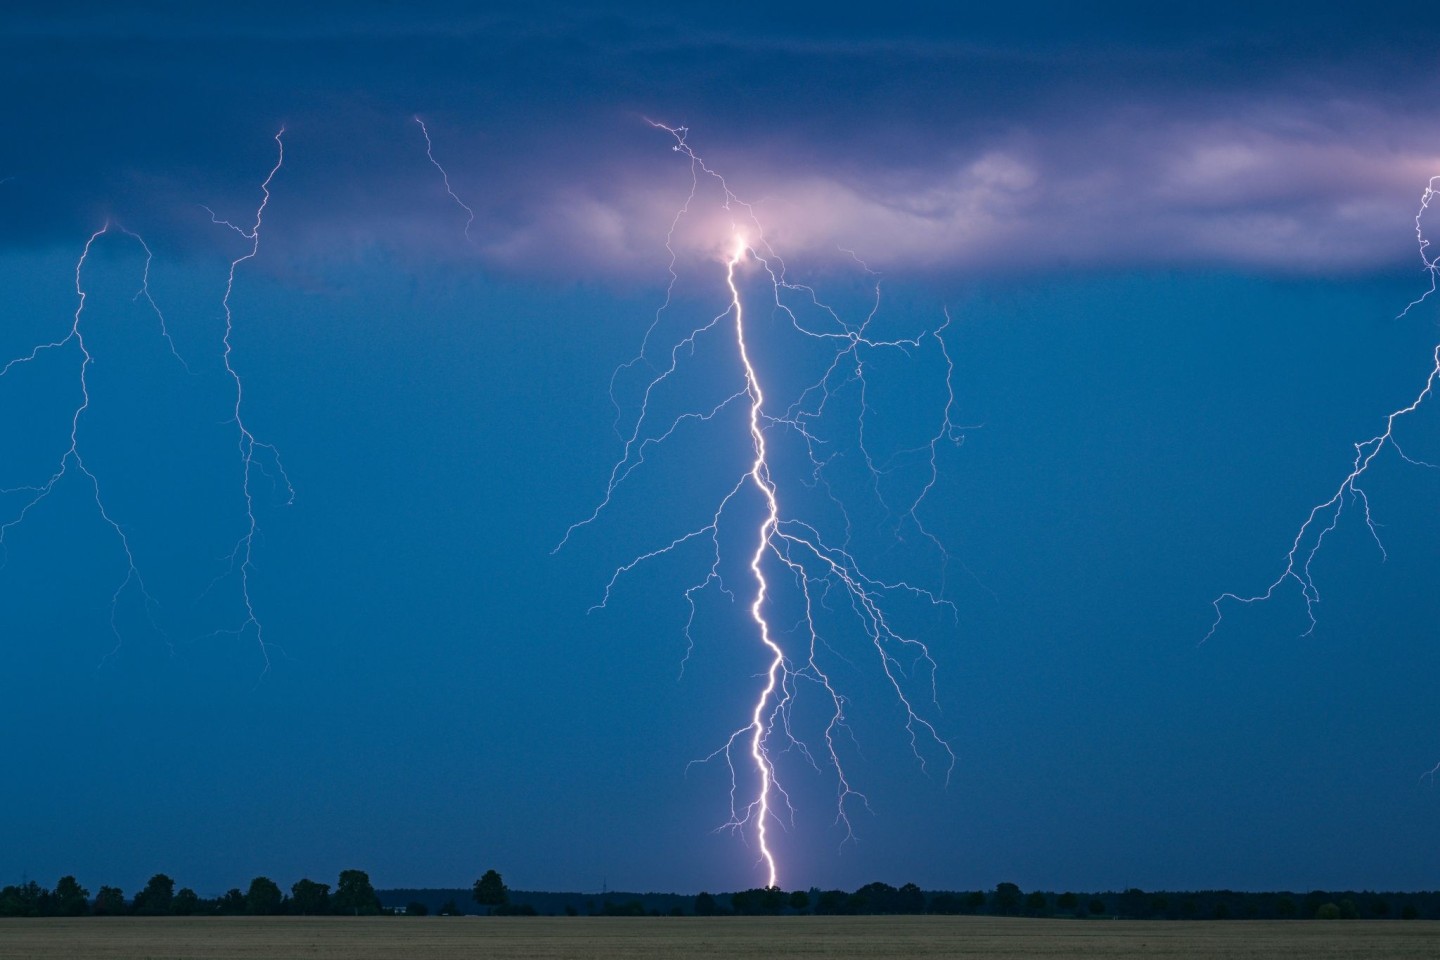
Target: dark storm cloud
<point x="1021" y="139"/>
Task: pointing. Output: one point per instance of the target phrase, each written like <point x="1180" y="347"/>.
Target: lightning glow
<point x="1325" y="516"/>
<point x="817" y="573"/>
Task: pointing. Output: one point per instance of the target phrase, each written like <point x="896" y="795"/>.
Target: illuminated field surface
<point x="605" y="937"/>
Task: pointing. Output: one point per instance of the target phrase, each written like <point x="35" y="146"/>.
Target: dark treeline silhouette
<point x="353" y="894"/>
<point x="1006" y="899"/>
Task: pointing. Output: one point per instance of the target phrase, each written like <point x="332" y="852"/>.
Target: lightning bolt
<point x="444" y="176"/>
<point x="73" y="456"/>
<point x="250" y="449"/>
<point x="788" y="551"/>
<point x="1325" y="516"/>
<point x="254" y="454"/>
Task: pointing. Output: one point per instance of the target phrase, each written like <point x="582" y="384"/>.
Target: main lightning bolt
<point x="823" y="574"/>
<point x="1325" y="516"/>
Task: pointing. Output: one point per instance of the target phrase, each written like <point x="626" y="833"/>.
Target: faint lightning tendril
<point x="825" y="574"/>
<point x="1324" y="517"/>
<point x="243" y="556"/>
<point x="33" y="495"/>
<point x="430" y="154"/>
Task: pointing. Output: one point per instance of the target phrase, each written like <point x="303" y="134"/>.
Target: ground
<point x="600" y="938"/>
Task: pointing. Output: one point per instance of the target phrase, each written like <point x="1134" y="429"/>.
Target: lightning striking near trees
<point x="1326" y="516"/>
<point x="255" y="455"/>
<point x="792" y="368"/>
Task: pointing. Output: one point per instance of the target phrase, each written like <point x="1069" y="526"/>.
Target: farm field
<point x="602" y="938"/>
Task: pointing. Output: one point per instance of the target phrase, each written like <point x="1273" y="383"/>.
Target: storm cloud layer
<point x="940" y="143"/>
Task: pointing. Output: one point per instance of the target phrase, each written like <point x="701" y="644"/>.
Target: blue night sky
<point x="1173" y="248"/>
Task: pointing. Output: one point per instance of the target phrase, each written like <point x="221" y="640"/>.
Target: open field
<point x="602" y="938"/>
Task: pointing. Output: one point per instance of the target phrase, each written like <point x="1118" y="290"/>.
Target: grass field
<point x="604" y="938"/>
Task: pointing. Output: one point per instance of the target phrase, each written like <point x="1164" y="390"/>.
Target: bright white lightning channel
<point x="789" y="553"/>
<point x="1325" y="516"/>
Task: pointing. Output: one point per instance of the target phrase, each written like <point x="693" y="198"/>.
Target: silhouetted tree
<point x="799" y="901"/>
<point x="416" y="909"/>
<point x="355" y="895"/>
<point x="489" y="890"/>
<point x="705" y="904"/>
<point x="71" y="899"/>
<point x="1037" y="904"/>
<point x="110" y="902"/>
<point x="873" y="898"/>
<point x="1069" y="902"/>
<point x="24" y="900"/>
<point x="186" y="903"/>
<point x="1097" y="906"/>
<point x="449" y="909"/>
<point x="1006" y="898"/>
<point x="263" y="898"/>
<point x="155" y="898"/>
<point x="910" y="899"/>
<point x="232" y="903"/>
<point x="310" y="899"/>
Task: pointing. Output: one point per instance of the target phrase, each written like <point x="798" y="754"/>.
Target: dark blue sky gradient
<point x="1172" y="245"/>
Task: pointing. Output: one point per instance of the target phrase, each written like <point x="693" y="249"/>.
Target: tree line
<point x="1007" y="899"/>
<point x="353" y="894"/>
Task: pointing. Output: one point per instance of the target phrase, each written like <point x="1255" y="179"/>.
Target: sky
<point x="1173" y="246"/>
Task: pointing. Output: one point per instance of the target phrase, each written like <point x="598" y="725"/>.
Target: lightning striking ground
<point x="819" y="575"/>
<point x="1325" y="516"/>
